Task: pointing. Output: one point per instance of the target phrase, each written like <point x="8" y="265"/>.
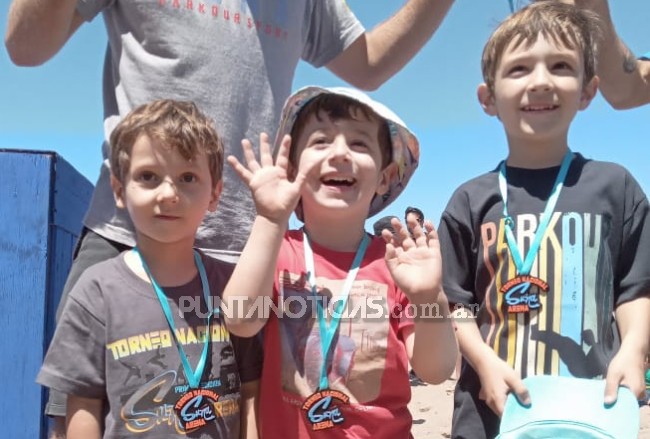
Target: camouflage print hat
<point x="405" y="146"/>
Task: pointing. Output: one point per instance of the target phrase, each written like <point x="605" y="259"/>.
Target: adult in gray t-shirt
<point x="235" y="59"/>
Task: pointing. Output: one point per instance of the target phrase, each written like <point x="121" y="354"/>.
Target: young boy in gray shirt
<point x="140" y="350"/>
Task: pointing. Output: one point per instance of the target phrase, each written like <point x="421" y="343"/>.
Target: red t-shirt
<point x="367" y="360"/>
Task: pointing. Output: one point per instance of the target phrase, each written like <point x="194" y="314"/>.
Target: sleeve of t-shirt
<point x="75" y="361"/>
<point x="89" y="9"/>
<point x="248" y="353"/>
<point x="330" y="28"/>
<point x="633" y="271"/>
<point x="458" y="258"/>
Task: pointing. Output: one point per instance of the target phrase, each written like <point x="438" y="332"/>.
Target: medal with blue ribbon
<point x="322" y="408"/>
<point x="518" y="295"/>
<point x="195" y="408"/>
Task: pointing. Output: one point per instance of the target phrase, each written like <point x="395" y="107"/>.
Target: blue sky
<point x="57" y="106"/>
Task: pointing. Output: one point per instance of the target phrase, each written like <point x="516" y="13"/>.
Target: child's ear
<point x="118" y="192"/>
<point x="589" y="92"/>
<point x="486" y="99"/>
<point x="214" y="196"/>
<point x="387" y="175"/>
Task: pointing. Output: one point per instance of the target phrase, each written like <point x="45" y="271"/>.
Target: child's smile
<point x="346" y="160"/>
<point x="538" y="90"/>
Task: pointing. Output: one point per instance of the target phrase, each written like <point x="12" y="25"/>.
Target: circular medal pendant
<point x="323" y="409"/>
<point x="520" y="297"/>
<point x="195" y="409"/>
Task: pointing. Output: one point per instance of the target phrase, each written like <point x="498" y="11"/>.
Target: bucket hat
<point x="404" y="145"/>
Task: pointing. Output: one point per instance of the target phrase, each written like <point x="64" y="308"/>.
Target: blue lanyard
<point x="512" y="5"/>
<point x="327" y="331"/>
<point x="193" y="377"/>
<point x="524" y="266"/>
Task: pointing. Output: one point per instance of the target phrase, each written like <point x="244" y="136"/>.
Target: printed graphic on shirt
<point x="553" y="321"/>
<point x="148" y="370"/>
<point x="267" y="19"/>
<point x="152" y="341"/>
<point x="357" y="358"/>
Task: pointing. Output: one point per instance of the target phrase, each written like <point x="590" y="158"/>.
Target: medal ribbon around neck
<point x="327" y="331"/>
<point x="524" y="266"/>
<point x="193" y="377"/>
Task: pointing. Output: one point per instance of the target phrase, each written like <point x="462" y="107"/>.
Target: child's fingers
<point x="240" y="169"/>
<point x="521" y="392"/>
<point x="612" y="381"/>
<point x="393" y="247"/>
<point x="432" y="235"/>
<point x="402" y="238"/>
<point x="249" y="155"/>
<point x="419" y="235"/>
<point x="390" y="249"/>
<point x="387" y="236"/>
<point x="266" y="159"/>
<point x="282" y="160"/>
<point x="299" y="181"/>
<point x="499" y="404"/>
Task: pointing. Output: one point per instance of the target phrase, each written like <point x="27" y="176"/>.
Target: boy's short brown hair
<point x="562" y="23"/>
<point x="338" y="107"/>
<point x="177" y="124"/>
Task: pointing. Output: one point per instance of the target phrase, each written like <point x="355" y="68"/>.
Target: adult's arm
<point x="377" y="55"/>
<point x="38" y="29"/>
<point x="624" y="79"/>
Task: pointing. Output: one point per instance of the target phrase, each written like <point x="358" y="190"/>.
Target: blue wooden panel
<point x="72" y="192"/>
<point x="25" y="182"/>
<point x="62" y="245"/>
<point x="70" y="200"/>
<point x="42" y="203"/>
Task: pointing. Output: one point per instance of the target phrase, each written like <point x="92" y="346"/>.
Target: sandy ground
<point x="431" y="407"/>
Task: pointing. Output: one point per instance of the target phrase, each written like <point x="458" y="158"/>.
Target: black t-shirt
<point x="594" y="256"/>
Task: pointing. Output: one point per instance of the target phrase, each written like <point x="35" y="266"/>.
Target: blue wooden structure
<point x="42" y="202"/>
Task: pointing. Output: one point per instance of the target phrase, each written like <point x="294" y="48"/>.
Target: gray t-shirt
<point x="114" y="343"/>
<point x="235" y="59"/>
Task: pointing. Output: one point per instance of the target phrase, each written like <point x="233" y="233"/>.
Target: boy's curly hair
<point x="560" y="22"/>
<point x="176" y="124"/>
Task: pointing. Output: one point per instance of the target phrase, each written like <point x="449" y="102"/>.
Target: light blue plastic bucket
<point x="569" y="408"/>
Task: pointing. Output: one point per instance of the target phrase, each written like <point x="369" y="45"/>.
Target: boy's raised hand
<point x="274" y="193"/>
<point x="414" y="261"/>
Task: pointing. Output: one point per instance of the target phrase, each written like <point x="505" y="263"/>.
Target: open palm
<point x="274" y="194"/>
<point x="414" y="262"/>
